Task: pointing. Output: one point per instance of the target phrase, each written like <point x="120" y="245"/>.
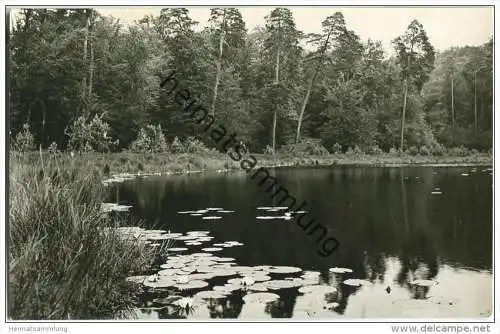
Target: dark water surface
<point x="391" y="228"/>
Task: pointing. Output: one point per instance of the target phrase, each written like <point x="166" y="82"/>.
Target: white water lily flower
<point x="183" y="279"/>
<point x="185" y="302"/>
<point x="153" y="278"/>
<point x="247" y="281"/>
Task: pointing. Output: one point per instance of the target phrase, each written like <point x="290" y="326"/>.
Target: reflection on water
<point x="395" y="225"/>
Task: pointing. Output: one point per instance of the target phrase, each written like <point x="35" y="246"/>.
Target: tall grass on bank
<point x="63" y="261"/>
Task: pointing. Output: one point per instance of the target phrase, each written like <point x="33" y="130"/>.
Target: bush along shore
<point x="65" y="262"/>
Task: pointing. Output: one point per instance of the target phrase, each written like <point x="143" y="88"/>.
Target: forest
<point x="79" y="80"/>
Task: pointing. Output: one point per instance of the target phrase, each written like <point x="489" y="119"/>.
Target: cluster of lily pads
<point x="119" y="178"/>
<point x="108" y="207"/>
<point x="210" y="211"/>
<point x="287" y="215"/>
<point x="190" y="276"/>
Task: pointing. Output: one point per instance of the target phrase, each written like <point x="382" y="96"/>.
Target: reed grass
<point x="64" y="261"/>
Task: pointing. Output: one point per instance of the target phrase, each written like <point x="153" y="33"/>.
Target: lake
<point x="396" y="227"/>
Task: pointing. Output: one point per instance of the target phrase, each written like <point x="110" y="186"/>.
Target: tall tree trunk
<point x="303" y="108"/>
<point x="403" y="116"/>
<point x="311" y="84"/>
<point x="475" y="101"/>
<point x="452" y="111"/>
<point x="91" y="45"/>
<point x="219" y="62"/>
<point x="275" y="115"/>
<point x="401" y="147"/>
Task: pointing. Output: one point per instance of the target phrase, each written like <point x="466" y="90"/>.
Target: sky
<point x="445" y="26"/>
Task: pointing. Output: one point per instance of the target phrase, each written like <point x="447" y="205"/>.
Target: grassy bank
<point x="101" y="165"/>
<point x="63" y="262"/>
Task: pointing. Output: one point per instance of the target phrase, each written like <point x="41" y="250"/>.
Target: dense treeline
<point x="275" y="86"/>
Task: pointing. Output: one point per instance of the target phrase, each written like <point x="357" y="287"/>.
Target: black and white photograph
<point x="249" y="163"/>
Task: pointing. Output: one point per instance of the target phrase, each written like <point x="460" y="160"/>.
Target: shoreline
<point x="127" y="165"/>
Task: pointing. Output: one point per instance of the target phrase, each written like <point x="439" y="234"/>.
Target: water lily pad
<point x="197" y="214"/>
<point x="322" y="289"/>
<point x="226" y="290"/>
<point x="198" y="232"/>
<point x="136" y="279"/>
<point x="436" y="193"/>
<point x="219" y="245"/>
<point x="258" y="277"/>
<point x="157" y="237"/>
<point x="311" y="274"/>
<point x="184" y="212"/>
<point x="201" y="276"/>
<point x="210" y="294"/>
<point x="193" y="243"/>
<point x="260" y="297"/>
<point x="464" y="174"/>
<point x="266" y="217"/>
<point x="161" y="282"/>
<point x="188" y="270"/>
<point x="234" y="243"/>
<point x="224" y="259"/>
<point x="225" y="211"/>
<point x="260" y="287"/>
<point x="281" y="284"/>
<point x="211" y="249"/>
<point x="191" y="285"/>
<point x="214" y="209"/>
<point x="356" y="282"/>
<point x="423" y="282"/>
<point x="108" y="207"/>
<point x="211" y="217"/>
<point x="177" y="249"/>
<point x="243" y="269"/>
<point x="201" y="255"/>
<point x="331" y="306"/>
<point x="169" y="272"/>
<point x="172" y="235"/>
<point x="284" y="270"/>
<point x="187" y="237"/>
<point x="337" y="270"/>
<point x="204" y="239"/>
<point x="224" y="272"/>
<point x="201" y="211"/>
<point x="262" y="268"/>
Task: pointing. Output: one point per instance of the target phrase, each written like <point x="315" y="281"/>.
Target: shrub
<point x="358" y="151"/>
<point x="461" y="151"/>
<point x="176" y="146"/>
<point x="336" y="148"/>
<point x="268" y="150"/>
<point x="89" y="136"/>
<point x="412" y="150"/>
<point x="436" y="149"/>
<point x="424" y="150"/>
<point x="375" y="150"/>
<point x="393" y="151"/>
<point x="194" y="145"/>
<point x="306" y="146"/>
<point x="150" y="139"/>
<point x="53" y="148"/>
<point x="24" y="140"/>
